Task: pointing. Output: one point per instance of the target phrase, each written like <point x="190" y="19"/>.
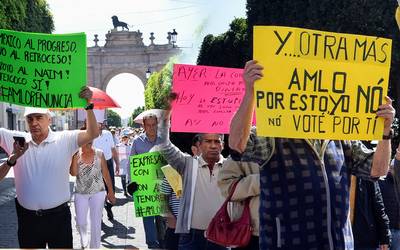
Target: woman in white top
<point x="90" y="168"/>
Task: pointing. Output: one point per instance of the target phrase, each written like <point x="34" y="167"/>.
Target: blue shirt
<point x="142" y="144"/>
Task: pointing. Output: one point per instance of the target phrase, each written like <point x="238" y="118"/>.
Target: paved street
<point x="125" y="231"/>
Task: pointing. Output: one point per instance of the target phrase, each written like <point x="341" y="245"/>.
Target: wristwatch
<point x="89" y="106"/>
<point x="389" y="136"/>
<point x="8" y="162"/>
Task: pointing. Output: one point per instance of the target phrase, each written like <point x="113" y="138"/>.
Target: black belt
<point x="44" y="212"/>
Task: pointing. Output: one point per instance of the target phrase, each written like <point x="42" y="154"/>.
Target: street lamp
<point x="148" y="73"/>
<point x="174" y="35"/>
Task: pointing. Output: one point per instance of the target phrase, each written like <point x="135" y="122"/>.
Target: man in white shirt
<point x="42" y="177"/>
<point x="105" y="142"/>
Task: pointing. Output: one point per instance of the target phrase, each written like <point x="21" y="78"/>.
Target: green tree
<point x="158" y="87"/>
<point x="26" y="15"/>
<point x="135" y="113"/>
<point x="113" y="119"/>
<point x="39" y="18"/>
<point x="229" y="49"/>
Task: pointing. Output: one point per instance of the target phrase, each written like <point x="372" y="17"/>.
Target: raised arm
<point x="380" y="163"/>
<point x="241" y="122"/>
<point x="92" y="130"/>
<point x="173" y="155"/>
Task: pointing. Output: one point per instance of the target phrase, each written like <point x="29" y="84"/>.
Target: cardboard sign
<point x="320" y="85"/>
<point x="208" y="97"/>
<point x="146" y="172"/>
<point x="42" y="70"/>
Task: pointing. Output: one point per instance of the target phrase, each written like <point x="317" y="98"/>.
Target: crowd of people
<point x="299" y="190"/>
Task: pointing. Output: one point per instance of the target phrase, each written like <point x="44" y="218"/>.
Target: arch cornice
<point x="124" y="52"/>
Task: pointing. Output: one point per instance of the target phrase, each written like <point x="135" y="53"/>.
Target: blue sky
<point x="192" y="19"/>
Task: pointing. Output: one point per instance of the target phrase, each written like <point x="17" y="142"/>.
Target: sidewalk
<point x="126" y="231"/>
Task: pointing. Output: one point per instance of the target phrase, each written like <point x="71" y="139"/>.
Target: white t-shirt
<point x="105" y="142"/>
<point x="42" y="173"/>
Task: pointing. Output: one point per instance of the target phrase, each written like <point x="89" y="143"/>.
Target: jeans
<point x="150" y="231"/>
<point x="395" y="239"/>
<point x="195" y="240"/>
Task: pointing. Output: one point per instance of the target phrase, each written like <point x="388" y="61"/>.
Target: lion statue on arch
<point x="117" y="23"/>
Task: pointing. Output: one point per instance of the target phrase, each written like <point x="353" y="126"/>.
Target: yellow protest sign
<point x="320" y="85"/>
<point x="174" y="179"/>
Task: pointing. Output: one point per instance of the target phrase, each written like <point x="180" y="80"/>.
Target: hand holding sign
<point x="170" y="99"/>
<point x="211" y="95"/>
<point x="252" y="72"/>
<point x="86" y="93"/>
<point x="387" y="112"/>
<point x="131" y="188"/>
<point x="42" y="70"/>
<point x="318" y="93"/>
<point x="146" y="178"/>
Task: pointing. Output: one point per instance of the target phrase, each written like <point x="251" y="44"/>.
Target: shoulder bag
<point x="225" y="232"/>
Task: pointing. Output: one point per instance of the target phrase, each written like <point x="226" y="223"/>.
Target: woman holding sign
<point x="90" y="168"/>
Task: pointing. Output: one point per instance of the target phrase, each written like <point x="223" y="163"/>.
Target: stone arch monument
<point x="125" y="52"/>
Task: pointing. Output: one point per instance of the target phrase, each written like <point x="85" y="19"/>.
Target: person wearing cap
<point x="42" y="177"/>
<point x="106" y="143"/>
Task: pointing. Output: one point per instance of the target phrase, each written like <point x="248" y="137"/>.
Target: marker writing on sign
<point x="311" y="43"/>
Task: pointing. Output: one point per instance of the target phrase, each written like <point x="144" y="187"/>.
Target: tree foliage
<point x="229" y="49"/>
<point x="158" y="88"/>
<point x="135" y="113"/>
<point x="26" y="15"/>
<point x="113" y="119"/>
